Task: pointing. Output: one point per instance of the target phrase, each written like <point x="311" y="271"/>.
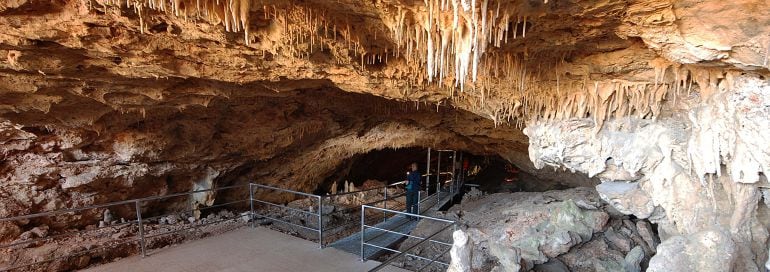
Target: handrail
<point x="409" y="214"/>
<point x="318" y="214"/>
<point x="140" y="237"/>
<point x="401" y="253"/>
<point x="110" y="204"/>
<point x="370" y="189"/>
<point x="284" y="190"/>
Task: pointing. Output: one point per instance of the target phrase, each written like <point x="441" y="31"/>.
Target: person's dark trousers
<point x="411" y="202"/>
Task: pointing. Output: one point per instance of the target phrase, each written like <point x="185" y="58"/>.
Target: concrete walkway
<point x="244" y="249"/>
<point x="397" y="223"/>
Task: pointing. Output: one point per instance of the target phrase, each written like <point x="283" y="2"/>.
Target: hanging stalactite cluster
<point x="233" y="14"/>
<point x="453" y="45"/>
<point x="450" y="37"/>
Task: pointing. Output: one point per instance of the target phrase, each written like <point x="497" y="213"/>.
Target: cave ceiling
<point x="508" y="61"/>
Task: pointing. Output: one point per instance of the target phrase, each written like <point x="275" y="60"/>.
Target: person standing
<point x="412" y="189"/>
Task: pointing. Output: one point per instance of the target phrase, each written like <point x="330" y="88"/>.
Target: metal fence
<point x="137" y="223"/>
<point x="310" y="217"/>
<point x="314" y="211"/>
<point x="257" y="208"/>
<point x="390" y="194"/>
<point x="432" y="260"/>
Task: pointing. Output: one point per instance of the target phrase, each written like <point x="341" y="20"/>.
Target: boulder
<point x="633" y="260"/>
<point x="460" y="253"/>
<point x="645" y="231"/>
<point x="618" y="240"/>
<point x="509" y="258"/>
<point x="552" y="265"/>
<point x="8" y="231"/>
<point x="704" y="251"/>
<point x="627" y="197"/>
<point x="107" y="216"/>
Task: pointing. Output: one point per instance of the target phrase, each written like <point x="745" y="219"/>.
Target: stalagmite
<point x="334" y="188"/>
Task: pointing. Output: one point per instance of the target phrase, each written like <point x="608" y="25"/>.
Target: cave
<point x="616" y="135"/>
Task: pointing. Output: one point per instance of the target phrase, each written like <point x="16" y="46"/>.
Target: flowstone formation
<point x="693" y="173"/>
<point x="558" y="230"/>
<point x="665" y="101"/>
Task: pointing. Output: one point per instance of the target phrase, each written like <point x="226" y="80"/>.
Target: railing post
<point x="419" y="198"/>
<point x="363" y="232"/>
<point x="438" y="193"/>
<point x="454" y="173"/>
<point x="438" y="179"/>
<point x="320" y="222"/>
<point x="385" y="204"/>
<point x="427" y="174"/>
<point x="251" y="204"/>
<point x="141" y="227"/>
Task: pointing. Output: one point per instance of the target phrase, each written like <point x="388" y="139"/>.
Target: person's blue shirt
<point x="414" y="181"/>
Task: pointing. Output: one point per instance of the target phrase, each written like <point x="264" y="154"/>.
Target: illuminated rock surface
<point x="104" y="100"/>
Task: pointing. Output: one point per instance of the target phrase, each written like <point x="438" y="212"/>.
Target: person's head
<point x="413" y="167"/>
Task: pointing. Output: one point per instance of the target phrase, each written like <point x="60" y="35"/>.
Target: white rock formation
<point x="460" y="253"/>
<point x="703" y="172"/>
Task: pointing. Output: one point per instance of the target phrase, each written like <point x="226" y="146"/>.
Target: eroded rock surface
<point x="543" y="231"/>
<point x="105" y="100"/>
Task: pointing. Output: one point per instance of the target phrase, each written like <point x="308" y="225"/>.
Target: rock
<point x="627" y="197"/>
<point x="508" y="258"/>
<point x="527" y="227"/>
<point x="607" y="265"/>
<point x="40" y="232"/>
<point x="618" y="240"/>
<point x="191" y="219"/>
<point x="706" y="251"/>
<point x="634" y="259"/>
<point x="553" y="265"/>
<point x="328" y="209"/>
<point x="333" y="190"/>
<point x="226" y="214"/>
<point x="586" y="206"/>
<point x="102" y="224"/>
<point x="460" y="252"/>
<point x="472" y="195"/>
<point x="246" y="217"/>
<point x="8" y="231"/>
<point x="161" y="221"/>
<point x="645" y="231"/>
<point x="172" y="219"/>
<point x="107" y="216"/>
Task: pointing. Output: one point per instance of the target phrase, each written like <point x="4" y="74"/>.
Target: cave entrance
<point x="390" y="165"/>
<point x="487" y="173"/>
<point x="382" y="166"/>
<point x="493" y="174"/>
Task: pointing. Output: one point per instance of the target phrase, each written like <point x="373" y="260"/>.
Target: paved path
<point x="352" y="243"/>
<point x="244" y="249"/>
<point x="398" y="223"/>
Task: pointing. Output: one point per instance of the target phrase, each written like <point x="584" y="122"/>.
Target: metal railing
<point x="337" y="230"/>
<point x="140" y="237"/>
<point x="135" y="220"/>
<point x="138" y="222"/>
<point x="316" y="211"/>
<point x="366" y="241"/>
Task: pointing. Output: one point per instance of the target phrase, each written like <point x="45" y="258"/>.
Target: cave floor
<point x="244" y="249"/>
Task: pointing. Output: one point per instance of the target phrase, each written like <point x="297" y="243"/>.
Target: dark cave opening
<point x="488" y="173"/>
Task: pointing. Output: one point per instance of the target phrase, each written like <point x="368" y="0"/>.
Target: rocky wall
<point x="692" y="172"/>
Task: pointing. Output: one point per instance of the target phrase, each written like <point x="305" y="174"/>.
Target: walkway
<point x="244" y="249"/>
<point x="397" y="223"/>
